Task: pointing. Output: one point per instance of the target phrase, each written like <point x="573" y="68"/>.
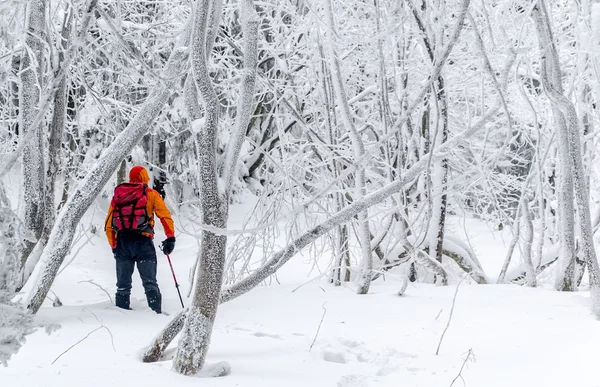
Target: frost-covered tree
<point x="571" y="161"/>
<point x="214" y="198"/>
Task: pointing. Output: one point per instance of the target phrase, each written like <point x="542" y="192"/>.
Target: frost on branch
<point x="15" y="324"/>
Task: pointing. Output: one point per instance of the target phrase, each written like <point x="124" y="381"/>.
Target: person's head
<point x="139" y="174"/>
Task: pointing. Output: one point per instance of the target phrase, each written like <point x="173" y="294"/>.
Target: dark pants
<point x="132" y="249"/>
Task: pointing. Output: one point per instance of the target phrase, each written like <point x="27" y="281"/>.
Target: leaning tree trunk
<point x="197" y="329"/>
<point x="83" y="196"/>
<point x="33" y="170"/>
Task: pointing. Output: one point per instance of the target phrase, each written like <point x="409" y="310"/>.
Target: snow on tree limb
<point x="246" y="103"/>
<point x="284" y="255"/>
<point x="360" y="180"/>
<point x="50" y="90"/>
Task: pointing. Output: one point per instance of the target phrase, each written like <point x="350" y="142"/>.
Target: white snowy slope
<point x="519" y="336"/>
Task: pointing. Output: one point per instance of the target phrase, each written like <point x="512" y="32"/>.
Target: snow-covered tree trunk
<point x="551" y="79"/>
<point x="550" y="74"/>
<point x="364" y="233"/>
<point x="439" y="179"/>
<point x="83" y="196"/>
<point x="341" y="239"/>
<point x="214" y="201"/>
<point x="528" y="243"/>
<point x="30" y="89"/>
<point x="55" y="140"/>
<point x="197" y="329"/>
<point x="438" y="176"/>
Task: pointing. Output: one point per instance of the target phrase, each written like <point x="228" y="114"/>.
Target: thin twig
<point x="104" y="290"/>
<point x="319" y="328"/>
<point x="112" y="339"/>
<point x="311" y="280"/>
<point x="449" y="317"/>
<point x="56" y="302"/>
<point x="470" y="356"/>
<point x="86" y="336"/>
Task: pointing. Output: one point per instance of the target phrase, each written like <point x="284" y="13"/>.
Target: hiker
<point x="129" y="228"/>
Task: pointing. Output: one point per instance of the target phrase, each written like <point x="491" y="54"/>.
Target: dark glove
<point x="168" y="245"/>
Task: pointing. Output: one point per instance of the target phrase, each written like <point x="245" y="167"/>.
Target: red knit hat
<point x="139" y="174"/>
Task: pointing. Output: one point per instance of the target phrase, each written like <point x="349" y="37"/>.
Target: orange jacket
<point x="154" y="205"/>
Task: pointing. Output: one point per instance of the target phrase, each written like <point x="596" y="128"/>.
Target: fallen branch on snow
<point x="86" y="336"/>
<point x="104" y="290"/>
<point x="470" y="356"/>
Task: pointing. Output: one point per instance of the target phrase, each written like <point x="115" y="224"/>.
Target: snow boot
<point x="154" y="300"/>
<point x="122" y="301"/>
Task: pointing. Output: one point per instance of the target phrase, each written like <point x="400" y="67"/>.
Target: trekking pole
<point x="175" y="279"/>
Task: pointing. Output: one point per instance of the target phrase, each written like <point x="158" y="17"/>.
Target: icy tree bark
<point x="197" y="329"/>
<point x="364" y="233"/>
<point x="63" y="231"/>
<point x="439" y="170"/>
<point x="33" y="166"/>
<point x="342" y="235"/>
<point x="552" y="82"/>
<point x="573" y="162"/>
<point x="511" y="246"/>
<point x="528" y="243"/>
<point x="164" y="338"/>
<point x="246" y="103"/>
<point x="57" y="126"/>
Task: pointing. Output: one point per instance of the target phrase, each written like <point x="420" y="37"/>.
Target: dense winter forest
<point x="363" y="125"/>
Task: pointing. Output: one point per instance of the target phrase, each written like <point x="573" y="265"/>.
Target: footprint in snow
<point x="264" y="334"/>
<point x="383" y="361"/>
<point x="350" y="343"/>
<point x="334" y="357"/>
<point x="240" y="329"/>
<point x="353" y="381"/>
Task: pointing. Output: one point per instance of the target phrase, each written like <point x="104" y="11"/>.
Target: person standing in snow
<point x="129" y="228"/>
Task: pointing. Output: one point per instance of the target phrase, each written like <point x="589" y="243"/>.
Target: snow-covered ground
<point x="500" y="335"/>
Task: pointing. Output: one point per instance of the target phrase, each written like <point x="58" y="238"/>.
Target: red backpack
<point x="129" y="208"/>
